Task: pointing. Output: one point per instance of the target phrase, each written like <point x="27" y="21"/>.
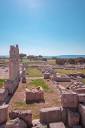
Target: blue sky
<point x="46" y="27"/>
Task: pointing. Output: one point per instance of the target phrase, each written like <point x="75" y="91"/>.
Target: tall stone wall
<point x="14" y="62"/>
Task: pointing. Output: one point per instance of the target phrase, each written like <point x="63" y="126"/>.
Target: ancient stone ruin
<point x="34" y="95"/>
<point x="71" y="113"/>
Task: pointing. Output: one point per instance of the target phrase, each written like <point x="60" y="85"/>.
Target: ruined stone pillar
<point x="14" y="62"/>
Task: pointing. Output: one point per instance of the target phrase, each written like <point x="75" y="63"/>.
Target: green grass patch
<point x="64" y="71"/>
<point x="41" y="83"/>
<point x="34" y="72"/>
<point x="1" y="82"/>
<point x="83" y="81"/>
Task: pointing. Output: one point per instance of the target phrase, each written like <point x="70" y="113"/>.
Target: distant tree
<point x="40" y="56"/>
<point x="44" y="59"/>
<point x="22" y="55"/>
<point x="54" y="58"/>
<point x="30" y="57"/>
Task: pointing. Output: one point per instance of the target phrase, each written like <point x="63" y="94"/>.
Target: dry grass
<point x="34" y="72"/>
<point x="51" y="62"/>
<point x="63" y="71"/>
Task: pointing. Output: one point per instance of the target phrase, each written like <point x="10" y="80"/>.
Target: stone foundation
<point x="46" y="75"/>
<point x="69" y="100"/>
<point x="3" y="95"/>
<point x="49" y="115"/>
<point x="26" y="116"/>
<point x="3" y="113"/>
<point x="16" y="123"/>
<point x="34" y="95"/>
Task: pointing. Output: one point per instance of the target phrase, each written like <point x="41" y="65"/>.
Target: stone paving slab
<point x="57" y="125"/>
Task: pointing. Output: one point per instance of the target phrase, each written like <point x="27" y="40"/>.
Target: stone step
<point x="57" y="125"/>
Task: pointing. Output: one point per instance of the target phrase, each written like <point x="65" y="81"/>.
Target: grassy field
<point x="63" y="71"/>
<point x="34" y="72"/>
<point x="1" y="83"/>
<point x="41" y="83"/>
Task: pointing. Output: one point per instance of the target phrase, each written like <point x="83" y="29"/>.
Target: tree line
<point x="70" y="61"/>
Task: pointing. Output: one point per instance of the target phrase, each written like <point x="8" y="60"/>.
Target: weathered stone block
<point x="81" y="98"/>
<point x="63" y="79"/>
<point x="2" y="126"/>
<point x="35" y="95"/>
<point x="69" y="100"/>
<point x="25" y="115"/>
<point x="80" y="90"/>
<point x="47" y="75"/>
<point x="49" y="115"/>
<point x="64" y="115"/>
<point x="82" y="114"/>
<point x="77" y="126"/>
<point x="57" y="125"/>
<point x="10" y="86"/>
<point x="3" y="113"/>
<point x="16" y="123"/>
<point x="2" y="95"/>
<point x="23" y="80"/>
<point x="73" y="118"/>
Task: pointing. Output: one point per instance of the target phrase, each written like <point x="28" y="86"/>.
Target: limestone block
<point x="34" y="95"/>
<point x="25" y="115"/>
<point x="82" y="114"/>
<point x="47" y="75"/>
<point x="80" y="90"/>
<point x="69" y="100"/>
<point x="11" y="86"/>
<point x="73" y="118"/>
<point x="23" y="79"/>
<point x="77" y="126"/>
<point x="81" y="98"/>
<point x="64" y="112"/>
<point x="63" y="79"/>
<point x="57" y="125"/>
<point x="2" y="126"/>
<point x="49" y="115"/>
<point x="3" y="113"/>
<point x="2" y="95"/>
<point x="16" y="123"/>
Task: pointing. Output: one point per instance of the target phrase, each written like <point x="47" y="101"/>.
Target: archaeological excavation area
<point x="41" y="94"/>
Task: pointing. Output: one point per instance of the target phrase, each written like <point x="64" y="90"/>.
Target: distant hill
<point x="4" y="57"/>
<point x="71" y="56"/>
<point x="66" y="56"/>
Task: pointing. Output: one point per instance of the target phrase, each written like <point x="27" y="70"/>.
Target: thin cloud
<point x="30" y="4"/>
